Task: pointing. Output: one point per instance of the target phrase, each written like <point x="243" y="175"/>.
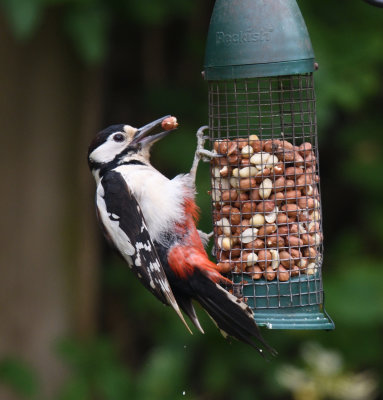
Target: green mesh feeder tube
<point x="259" y="66"/>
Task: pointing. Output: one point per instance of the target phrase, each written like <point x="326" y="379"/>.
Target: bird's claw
<point x="201" y="152"/>
<point x="206" y="155"/>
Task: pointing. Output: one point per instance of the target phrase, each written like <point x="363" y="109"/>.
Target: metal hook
<point x="376" y="3"/>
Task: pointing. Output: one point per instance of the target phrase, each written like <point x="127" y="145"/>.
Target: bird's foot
<point x="201" y="153"/>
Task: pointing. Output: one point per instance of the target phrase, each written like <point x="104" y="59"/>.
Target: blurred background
<point x="74" y="323"/>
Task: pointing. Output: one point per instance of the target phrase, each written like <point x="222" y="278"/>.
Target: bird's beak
<point x="145" y="135"/>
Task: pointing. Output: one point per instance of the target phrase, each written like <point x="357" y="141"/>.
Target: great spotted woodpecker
<point x="151" y="221"/>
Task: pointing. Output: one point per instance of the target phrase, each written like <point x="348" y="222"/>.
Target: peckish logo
<point x="246" y="36"/>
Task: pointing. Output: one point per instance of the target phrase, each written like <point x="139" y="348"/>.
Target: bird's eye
<point x="118" y="137"/>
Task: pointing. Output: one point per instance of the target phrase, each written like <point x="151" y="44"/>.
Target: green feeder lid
<point x="257" y="38"/>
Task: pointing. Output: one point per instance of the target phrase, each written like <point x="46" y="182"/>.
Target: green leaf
<point x="23" y="16"/>
<point x="19" y="377"/>
<point x="75" y="389"/>
<point x="354" y="295"/>
<point x="163" y="376"/>
<point x="96" y="371"/>
<point x="88" y="27"/>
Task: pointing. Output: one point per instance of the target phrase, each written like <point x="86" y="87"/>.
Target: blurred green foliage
<point x="153" y="357"/>
<point x="19" y="377"/>
<point x="324" y="376"/>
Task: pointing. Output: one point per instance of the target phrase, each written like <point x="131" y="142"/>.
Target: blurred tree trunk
<point x="49" y="110"/>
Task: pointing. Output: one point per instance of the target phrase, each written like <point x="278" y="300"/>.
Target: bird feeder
<point x="259" y="66"/>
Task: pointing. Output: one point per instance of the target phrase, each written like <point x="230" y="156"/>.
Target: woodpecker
<point x="151" y="221"/>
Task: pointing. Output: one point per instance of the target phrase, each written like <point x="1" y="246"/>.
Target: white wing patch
<point x="137" y="261"/>
<point x="140" y="246"/>
<point x="154" y="266"/>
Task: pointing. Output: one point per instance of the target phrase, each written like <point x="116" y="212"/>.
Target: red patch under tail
<point x="183" y="260"/>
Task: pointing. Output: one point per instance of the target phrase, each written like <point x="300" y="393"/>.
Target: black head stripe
<point x="102" y="136"/>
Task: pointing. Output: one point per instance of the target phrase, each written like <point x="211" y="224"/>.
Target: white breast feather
<point x="161" y="199"/>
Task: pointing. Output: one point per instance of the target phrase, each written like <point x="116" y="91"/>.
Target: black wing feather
<point x="124" y="225"/>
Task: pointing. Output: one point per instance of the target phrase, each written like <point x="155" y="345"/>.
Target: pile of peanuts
<point x="266" y="208"/>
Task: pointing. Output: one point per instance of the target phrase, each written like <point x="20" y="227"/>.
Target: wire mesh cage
<point x="266" y="194"/>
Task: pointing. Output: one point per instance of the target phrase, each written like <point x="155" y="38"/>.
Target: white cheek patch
<point x="107" y="151"/>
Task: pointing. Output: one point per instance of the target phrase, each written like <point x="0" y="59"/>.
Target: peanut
<point x="291" y="196"/>
<point x="279" y="169"/>
<point x="266" y="208"/>
<point x="169" y="123"/>
<point x="291" y="209"/>
<point x="256" y="272"/>
<point x="294" y="171"/>
<point x="241" y="198"/>
<point x="224" y="243"/>
<point x="305" y="149"/>
<point x="247" y="172"/>
<point x="257" y="220"/>
<point x="251" y="259"/>
<point x="282" y="273"/>
<point x="286" y="259"/>
<point x="264" y="258"/>
<point x="269" y="274"/>
<point x="248" y="235"/>
<point x="279" y="184"/>
<point x="247" y="183"/>
<point x="272" y="216"/>
<point x="277" y="198"/>
<point x="255" y="245"/>
<point x="267" y="229"/>
<point x="248" y="209"/>
<point x="229" y="195"/>
<point x="265" y="188"/>
<point x="294" y="241"/>
<point x="224" y="267"/>
<point x="247" y="151"/>
<point x="260" y="159"/>
<point x="271" y="145"/>
<point x="275" y="240"/>
<point x="221" y="146"/>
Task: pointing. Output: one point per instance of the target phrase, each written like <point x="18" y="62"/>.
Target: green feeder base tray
<point x="307" y="317"/>
<point x="295" y="304"/>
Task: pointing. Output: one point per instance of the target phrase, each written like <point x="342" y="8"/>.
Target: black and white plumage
<point x="150" y="220"/>
<point x="118" y="211"/>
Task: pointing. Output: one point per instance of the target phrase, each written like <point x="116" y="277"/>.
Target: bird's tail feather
<point x="232" y="316"/>
<point x="187" y="307"/>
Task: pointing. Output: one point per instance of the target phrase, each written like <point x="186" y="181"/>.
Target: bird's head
<point x="120" y="143"/>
